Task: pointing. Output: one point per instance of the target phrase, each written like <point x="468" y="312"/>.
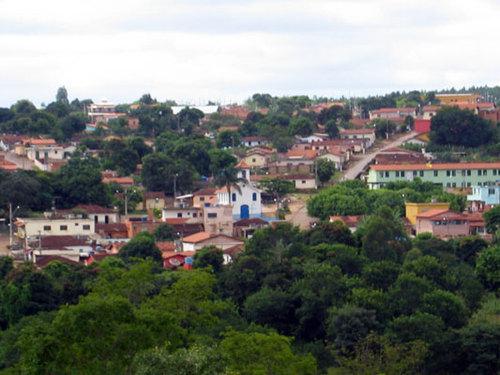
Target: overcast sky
<point x="225" y="50"/>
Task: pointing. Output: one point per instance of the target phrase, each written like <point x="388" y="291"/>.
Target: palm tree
<point x="228" y="177"/>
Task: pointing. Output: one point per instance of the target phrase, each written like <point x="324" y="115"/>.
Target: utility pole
<point x="10" y="224"/>
<point x="126" y="201"/>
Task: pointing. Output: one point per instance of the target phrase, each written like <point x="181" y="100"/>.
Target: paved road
<point x="357" y="168"/>
<point x="22" y="163"/>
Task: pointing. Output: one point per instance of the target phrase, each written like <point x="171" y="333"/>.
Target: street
<point x="359" y="166"/>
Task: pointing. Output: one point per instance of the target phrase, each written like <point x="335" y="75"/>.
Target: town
<point x="409" y="175"/>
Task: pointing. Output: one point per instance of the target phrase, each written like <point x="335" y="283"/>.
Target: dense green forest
<point x="294" y="302"/>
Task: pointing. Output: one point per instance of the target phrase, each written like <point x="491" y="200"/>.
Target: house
<point x="183" y="228"/>
<point x="368" y="135"/>
<point x="204" y="197"/>
<point x="392" y="113"/>
<point x="257" y="158"/>
<point x="302" y="181"/>
<point x="254" y="141"/>
<point x="245" y="198"/>
<point x="442" y="223"/>
<point x="102" y="112"/>
<point x="152" y="200"/>
<point x="136" y="225"/>
<point x="42" y="261"/>
<point x="312" y="138"/>
<point x="200" y="240"/>
<point x="245" y="228"/>
<point x="6" y="165"/>
<point x="218" y="219"/>
<point x="429" y="111"/>
<point x="422" y="125"/>
<point x="8" y="141"/>
<point x="71" y="247"/>
<point x="449" y="175"/>
<point x="193" y="214"/>
<point x="339" y="158"/>
<point x="400" y="156"/>
<point x="350" y="221"/>
<point x="112" y="231"/>
<point x="414" y="209"/>
<point x="488" y="195"/>
<point x="31" y="227"/>
<point x="450" y="99"/>
<point x="111" y="177"/>
<point x="99" y="214"/>
<point x="176" y="259"/>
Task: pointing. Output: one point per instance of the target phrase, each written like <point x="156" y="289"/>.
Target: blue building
<point x="490" y="195"/>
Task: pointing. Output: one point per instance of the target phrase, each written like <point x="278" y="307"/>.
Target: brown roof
<point x="197" y="237"/>
<point x="432" y="166"/>
<point x="94" y="209"/>
<point x="154" y="195"/>
<point x="305" y="154"/>
<point x="111" y="227"/>
<point x="233" y="250"/>
<point x="43" y="261"/>
<point x="349" y="220"/>
<point x="441" y="215"/>
<point x="248" y="222"/>
<point x="206" y="191"/>
<point x="60" y="242"/>
<point x="166" y="246"/>
<point x="357" y="131"/>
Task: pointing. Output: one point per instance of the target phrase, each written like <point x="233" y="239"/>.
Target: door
<point x="244" y="211"/>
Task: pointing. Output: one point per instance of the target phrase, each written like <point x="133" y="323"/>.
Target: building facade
<point x="449" y="175"/>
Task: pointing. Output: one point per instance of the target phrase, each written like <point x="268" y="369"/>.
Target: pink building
<point x="443" y="223"/>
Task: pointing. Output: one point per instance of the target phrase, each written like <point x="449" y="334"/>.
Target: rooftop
<point x="432" y="166"/>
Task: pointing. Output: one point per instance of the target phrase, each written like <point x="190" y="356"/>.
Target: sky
<point x="193" y="51"/>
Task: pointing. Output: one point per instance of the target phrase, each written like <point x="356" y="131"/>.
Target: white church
<point x="246" y="200"/>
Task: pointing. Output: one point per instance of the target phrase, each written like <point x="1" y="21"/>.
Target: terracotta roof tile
<point x="435" y="166"/>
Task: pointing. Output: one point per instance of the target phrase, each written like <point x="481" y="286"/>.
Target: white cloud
<point x="226" y="50"/>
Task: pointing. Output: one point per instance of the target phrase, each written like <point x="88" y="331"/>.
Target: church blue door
<point x="244" y="211"/>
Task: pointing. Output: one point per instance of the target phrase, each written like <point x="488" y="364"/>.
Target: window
<point x="63" y="227"/>
<point x="253" y="160"/>
<point x="448" y="173"/>
<point x="254" y="197"/>
<point x="86" y="227"/>
<point x="479" y="172"/>
<point x="397" y="173"/>
<point x="453" y="173"/>
<point x="212" y="215"/>
<point x="202" y="199"/>
<point x="47" y="227"/>
<point x="234" y="197"/>
<point x="421" y="173"/>
<point x="402" y="173"/>
<point x="386" y="174"/>
<point x="491" y="191"/>
<point x="454" y="185"/>
<point x="468" y="184"/>
<point x="303" y="181"/>
<point x="485" y="172"/>
<point x="435" y="173"/>
<point x="381" y="174"/>
<point x="179" y="214"/>
<point x="77" y="224"/>
<point x="415" y="173"/>
<point x="195" y="214"/>
<point x="469" y="172"/>
<point x="494" y="172"/>
<point x="448" y="184"/>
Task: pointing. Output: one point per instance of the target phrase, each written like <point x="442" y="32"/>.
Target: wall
<point x="414" y="209"/>
<point x="75" y="227"/>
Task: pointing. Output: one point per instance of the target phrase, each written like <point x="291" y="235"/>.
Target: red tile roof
<point x="154" y="195"/>
<point x="197" y="237"/>
<point x="305" y="154"/>
<point x="441" y="215"/>
<point x="166" y="246"/>
<point x="60" y="242"/>
<point x="357" y="131"/>
<point x="206" y="191"/>
<point x="248" y="222"/>
<point x="432" y="166"/>
<point x="432" y="212"/>
<point x="350" y="220"/>
<point x="43" y="261"/>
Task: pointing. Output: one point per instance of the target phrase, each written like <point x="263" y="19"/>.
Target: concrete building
<point x="442" y="224"/>
<point x="200" y="240"/>
<point x="218" y="219"/>
<point x="449" y="175"/>
<point x="368" y="135"/>
<point x="30" y="227"/>
<point x="450" y="99"/>
<point x="489" y="195"/>
<point x="415" y="209"/>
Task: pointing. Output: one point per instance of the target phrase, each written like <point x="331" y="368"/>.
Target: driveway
<point x="359" y="166"/>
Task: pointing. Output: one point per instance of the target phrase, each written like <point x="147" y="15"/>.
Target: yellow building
<point x="450" y="99"/>
<point x="415" y="209"/>
<point x="257" y="159"/>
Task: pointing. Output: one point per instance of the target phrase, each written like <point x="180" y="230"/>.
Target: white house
<point x="245" y="198"/>
<point x="254" y="141"/>
<point x="29" y="227"/>
<point x="368" y="135"/>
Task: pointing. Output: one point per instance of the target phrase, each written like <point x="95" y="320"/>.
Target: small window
<point x="454" y="184"/>
<point x="402" y="173"/>
<point x="415" y="173"/>
<point x="381" y="174"/>
<point x="485" y="172"/>
<point x="63" y="227"/>
<point x="494" y="172"/>
<point x="453" y="173"/>
<point x="86" y="227"/>
<point x="179" y="214"/>
<point x="421" y="173"/>
<point x="254" y="197"/>
<point x="212" y="215"/>
<point x="47" y="227"/>
<point x="436" y="173"/>
<point x="195" y="214"/>
<point x="386" y="174"/>
<point x="491" y="191"/>
<point x="234" y="197"/>
<point x="77" y="224"/>
<point x="448" y="173"/>
<point x="448" y="184"/>
<point x="469" y="172"/>
<point x="397" y="173"/>
<point x="253" y="160"/>
<point x="479" y="172"/>
<point x="202" y="199"/>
